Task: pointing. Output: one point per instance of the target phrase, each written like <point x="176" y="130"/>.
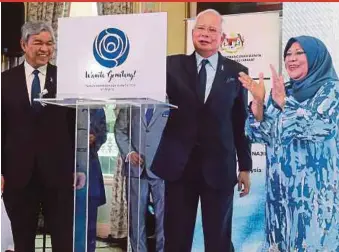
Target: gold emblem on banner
<point x="232" y="43"/>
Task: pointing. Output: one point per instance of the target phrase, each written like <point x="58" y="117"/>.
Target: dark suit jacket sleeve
<point x="71" y="120"/>
<point x="99" y="128"/>
<point x="122" y="133"/>
<point x="3" y="126"/>
<point x="170" y="87"/>
<point x="239" y="115"/>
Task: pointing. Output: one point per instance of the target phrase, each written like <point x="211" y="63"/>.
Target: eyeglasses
<point x="210" y="29"/>
<point x="295" y="54"/>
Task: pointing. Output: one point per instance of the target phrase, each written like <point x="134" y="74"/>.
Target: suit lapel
<point x="50" y="82"/>
<point x="20" y="82"/>
<point x="156" y="114"/>
<point x="220" y="77"/>
<point x="20" y="85"/>
<point x="143" y="116"/>
<point x="138" y="114"/>
<point x="190" y="67"/>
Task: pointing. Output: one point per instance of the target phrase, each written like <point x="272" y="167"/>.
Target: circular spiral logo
<point x="111" y="47"/>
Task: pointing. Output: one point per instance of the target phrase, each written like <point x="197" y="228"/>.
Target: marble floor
<point x="101" y="246"/>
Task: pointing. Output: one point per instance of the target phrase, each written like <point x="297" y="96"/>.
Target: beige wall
<point x="176" y="14"/>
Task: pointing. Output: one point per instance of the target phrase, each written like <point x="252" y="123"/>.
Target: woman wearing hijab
<point x="299" y="126"/>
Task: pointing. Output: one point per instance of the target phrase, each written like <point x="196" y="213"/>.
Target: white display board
<point x="118" y="56"/>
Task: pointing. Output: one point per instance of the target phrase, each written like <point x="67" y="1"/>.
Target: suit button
<point x="148" y="145"/>
<point x="147" y="131"/>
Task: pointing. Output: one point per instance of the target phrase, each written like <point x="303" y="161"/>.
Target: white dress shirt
<point x="30" y="76"/>
<point x="211" y="69"/>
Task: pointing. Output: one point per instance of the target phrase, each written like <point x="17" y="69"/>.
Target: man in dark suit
<point x="197" y="153"/>
<point x="37" y="145"/>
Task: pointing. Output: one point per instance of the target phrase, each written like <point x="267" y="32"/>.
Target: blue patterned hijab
<point x="320" y="67"/>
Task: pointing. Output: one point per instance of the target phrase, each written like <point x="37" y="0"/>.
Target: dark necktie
<point x="149" y="114"/>
<point x="35" y="91"/>
<point x="202" y="80"/>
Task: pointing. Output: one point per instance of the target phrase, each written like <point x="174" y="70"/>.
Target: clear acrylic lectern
<point x="95" y="146"/>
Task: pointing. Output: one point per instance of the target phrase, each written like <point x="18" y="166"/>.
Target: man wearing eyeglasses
<point x="198" y="151"/>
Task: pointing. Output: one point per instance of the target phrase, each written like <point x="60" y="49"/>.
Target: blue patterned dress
<point x="302" y="178"/>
